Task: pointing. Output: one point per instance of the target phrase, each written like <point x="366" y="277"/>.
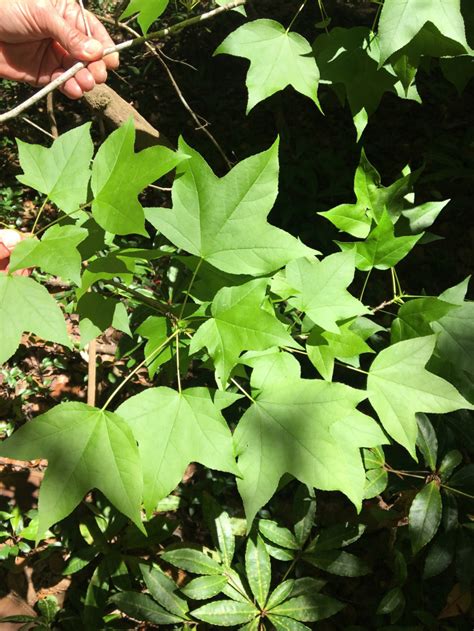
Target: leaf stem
<point x="178" y="372"/>
<point x="244" y="392"/>
<point x="193" y="278"/>
<point x="365" y="284"/>
<point x="58" y="219"/>
<point x="154" y="304"/>
<point x="40" y="212"/>
<point x="450" y="488"/>
<point x="296" y="15"/>
<point x="147" y="360"/>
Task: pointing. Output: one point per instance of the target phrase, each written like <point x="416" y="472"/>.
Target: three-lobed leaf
<point x="148" y="11"/>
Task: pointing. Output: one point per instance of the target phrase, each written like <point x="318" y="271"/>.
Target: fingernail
<point x="92" y="47"/>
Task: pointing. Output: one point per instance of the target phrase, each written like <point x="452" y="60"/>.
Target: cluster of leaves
<point x="309" y="383"/>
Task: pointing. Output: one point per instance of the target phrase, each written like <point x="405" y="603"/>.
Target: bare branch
<point x="154" y="35"/>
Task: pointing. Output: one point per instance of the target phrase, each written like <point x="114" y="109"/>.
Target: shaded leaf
<point x="193" y="561"/>
<point x="424" y="516"/>
<point x="309" y="607"/>
<point x="142" y="607"/>
<point x="258" y="568"/>
<point x="338" y="562"/>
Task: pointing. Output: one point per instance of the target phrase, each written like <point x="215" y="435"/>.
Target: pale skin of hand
<point x="40" y="39"/>
<point x="9" y="239"/>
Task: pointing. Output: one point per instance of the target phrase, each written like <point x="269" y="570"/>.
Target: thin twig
<point x="36" y="126"/>
<point x="84" y="17"/>
<point x="146" y="300"/>
<point x="51" y="115"/>
<point x="244" y="392"/>
<point x="155" y="35"/>
<point x="92" y="372"/>
<point x="199" y="120"/>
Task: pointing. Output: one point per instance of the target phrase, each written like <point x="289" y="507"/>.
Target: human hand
<point x="40" y="39"/>
<point x="9" y="239"/>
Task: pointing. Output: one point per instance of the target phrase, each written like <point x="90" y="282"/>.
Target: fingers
<point x="8" y="240"/>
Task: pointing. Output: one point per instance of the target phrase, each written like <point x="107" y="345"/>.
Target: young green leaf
<point x="61" y="172"/>
<point x="270" y="365"/>
<point x="119" y="175"/>
<point x="422" y="217"/>
<point x="220" y="526"/>
<point x="224" y="220"/>
<point x="226" y="613"/>
<point x="277" y="534"/>
<point x="375" y="482"/>
<point x="163" y="589"/>
<point x="26" y="306"/>
<point x="349" y="58"/>
<point x="399" y="386"/>
<point x="56" y="253"/>
<point x="338" y="562"/>
<point x="204" y="587"/>
<point x="239" y="323"/>
<point x="309" y="607"/>
<point x="155" y="330"/>
<point x="382" y="249"/>
<point x="258" y="568"/>
<point x="282" y="623"/>
<point x="416" y="316"/>
<point x="455" y="339"/>
<point x="424" y="516"/>
<point x="338" y="536"/>
<point x="304" y="512"/>
<point x="86" y="448"/>
<point x="172" y="430"/>
<point x="278" y="58"/>
<point x="281" y="593"/>
<point x="97" y="313"/>
<point x="400" y="22"/>
<point x="148" y="11"/>
<point x="142" y="607"/>
<point x="193" y="561"/>
<point x="393" y="600"/>
<point x="319" y="289"/>
<point x="303" y="429"/>
<point x="426" y="441"/>
<point x="449" y="463"/>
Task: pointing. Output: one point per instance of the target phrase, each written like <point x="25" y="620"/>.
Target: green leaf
<point x="148" y="11"/>
<point x="226" y="613"/>
<point x="239" y="323"/>
<point x="324" y="347"/>
<point x="423" y="216"/>
<point x="163" y="589"/>
<point x="155" y="330"/>
<point x="258" y="569"/>
<point x="338" y="536"/>
<point x="319" y="289"/>
<point x="56" y="253"/>
<point x="375" y="482"/>
<point x="270" y="365"/>
<point x="86" y="448"/>
<point x="393" y="600"/>
<point x="278" y="58"/>
<point x="240" y="9"/>
<point x="48" y="608"/>
<point x="80" y="560"/>
<point x="349" y="58"/>
<point x="455" y="339"/>
<point x="307" y="585"/>
<point x="381" y="249"/>
<point x="309" y="607"/>
<point x="399" y="386"/>
<point x="277" y="534"/>
<point x="221" y="529"/>
<point x="61" y="172"/>
<point x="193" y="561"/>
<point x="338" y="562"/>
<point x="142" y="607"/>
<point x="26" y="306"/>
<point x="282" y="623"/>
<point x="303" y="430"/>
<point x="119" y="175"/>
<point x="97" y="313"/>
<point x="424" y="516"/>
<point x="400" y="22"/>
<point x="174" y="429"/>
<point x="204" y="587"/>
<point x="426" y="441"/>
<point x="281" y="593"/>
<point x="464" y="478"/>
<point x="440" y="555"/>
<point x="304" y="512"/>
<point x="451" y="461"/>
<point x="372" y="198"/>
<point x="107" y="268"/>
<point x="235" y="588"/>
<point x="415" y="318"/>
<point x="224" y="220"/>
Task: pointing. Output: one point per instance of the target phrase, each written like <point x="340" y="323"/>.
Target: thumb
<point x="77" y="44"/>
